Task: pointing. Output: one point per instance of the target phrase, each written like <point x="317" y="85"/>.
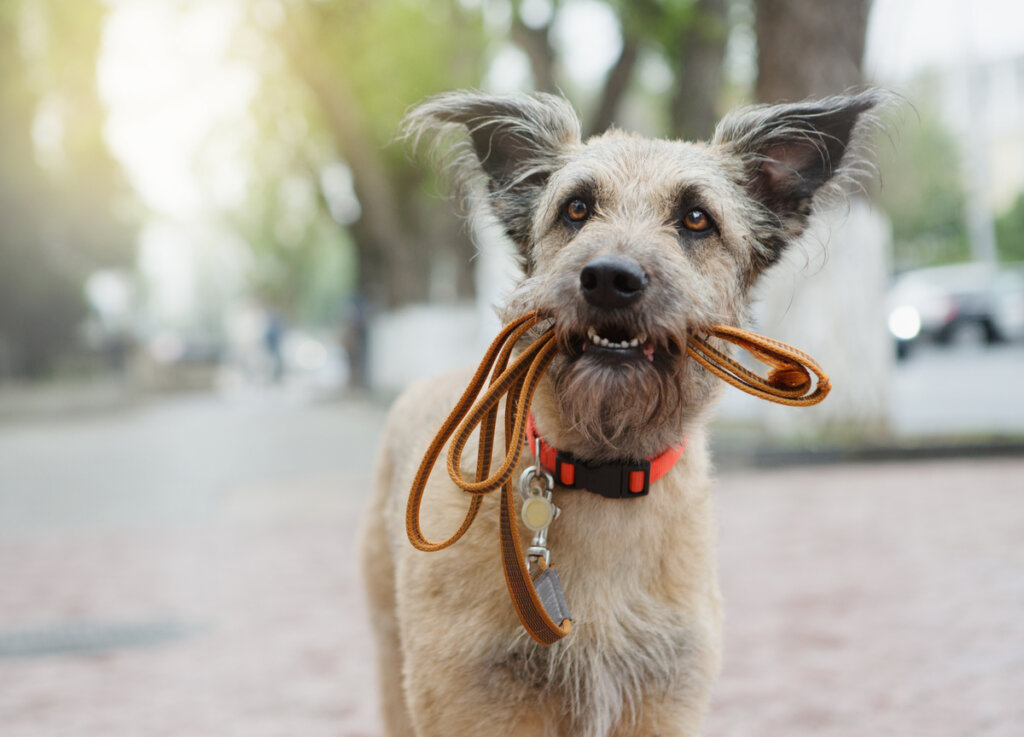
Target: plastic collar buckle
<point x="611" y="480"/>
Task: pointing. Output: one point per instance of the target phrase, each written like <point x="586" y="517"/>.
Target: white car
<point x="943" y="304"/>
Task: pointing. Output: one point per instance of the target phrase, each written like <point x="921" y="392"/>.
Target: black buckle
<point x="610" y="480"/>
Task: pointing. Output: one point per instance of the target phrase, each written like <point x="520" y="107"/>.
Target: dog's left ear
<point x="789" y="152"/>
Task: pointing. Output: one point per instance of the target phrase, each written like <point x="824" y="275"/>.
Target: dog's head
<point x="630" y="244"/>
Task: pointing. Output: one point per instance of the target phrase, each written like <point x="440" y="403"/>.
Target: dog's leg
<point x="379" y="577"/>
<point x="461" y="680"/>
<point x="679" y="715"/>
<point x="446" y="700"/>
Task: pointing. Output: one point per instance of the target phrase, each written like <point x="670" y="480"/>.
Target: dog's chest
<point x="640" y="642"/>
<point x="606" y="670"/>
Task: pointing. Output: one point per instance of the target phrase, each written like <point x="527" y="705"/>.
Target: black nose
<point x="612" y="281"/>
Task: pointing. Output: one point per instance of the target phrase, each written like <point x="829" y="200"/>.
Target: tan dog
<point x="629" y="245"/>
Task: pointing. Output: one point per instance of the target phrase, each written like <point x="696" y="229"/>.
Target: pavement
<point x="185" y="567"/>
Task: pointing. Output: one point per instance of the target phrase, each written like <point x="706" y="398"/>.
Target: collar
<point x="616" y="480"/>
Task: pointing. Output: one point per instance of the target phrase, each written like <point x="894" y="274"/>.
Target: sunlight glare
<point x="168" y="85"/>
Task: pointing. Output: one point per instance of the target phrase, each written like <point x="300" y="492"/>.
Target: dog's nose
<point x="612" y="281"/>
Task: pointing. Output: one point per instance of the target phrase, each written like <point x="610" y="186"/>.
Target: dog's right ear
<point x="514" y="141"/>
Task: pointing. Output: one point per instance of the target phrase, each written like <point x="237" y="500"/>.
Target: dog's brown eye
<point x="696" y="220"/>
<point x="577" y="211"/>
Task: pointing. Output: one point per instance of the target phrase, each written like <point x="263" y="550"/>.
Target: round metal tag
<point x="537" y="512"/>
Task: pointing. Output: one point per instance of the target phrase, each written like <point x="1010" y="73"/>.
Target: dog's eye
<point x="576" y="211"/>
<point x="696" y="220"/>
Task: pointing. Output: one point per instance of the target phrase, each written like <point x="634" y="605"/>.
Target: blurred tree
<point x="814" y="48"/>
<point x="808" y="47"/>
<point x="1010" y="232"/>
<point x="62" y="199"/>
<point x="689" y="35"/>
<point x="922" y="193"/>
<point x="300" y="258"/>
<point x="360" y="66"/>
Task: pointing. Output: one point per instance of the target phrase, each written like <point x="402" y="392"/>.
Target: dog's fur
<point x="639" y="574"/>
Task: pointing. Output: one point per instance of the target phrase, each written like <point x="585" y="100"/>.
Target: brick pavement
<point x="874" y="599"/>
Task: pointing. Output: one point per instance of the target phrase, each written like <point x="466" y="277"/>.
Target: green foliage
<point x="664" y="23"/>
<point x="922" y="193"/>
<point x="336" y="79"/>
<point x="1010" y="232"/>
<point x="58" y="190"/>
<point x="344" y="72"/>
<point x="301" y="261"/>
<point x="401" y="51"/>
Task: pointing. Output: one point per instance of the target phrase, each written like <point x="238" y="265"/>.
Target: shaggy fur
<point x="639" y="574"/>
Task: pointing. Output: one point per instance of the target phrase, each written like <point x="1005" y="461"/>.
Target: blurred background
<point x="218" y="265"/>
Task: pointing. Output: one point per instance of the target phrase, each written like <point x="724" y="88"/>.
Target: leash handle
<point x="788" y="381"/>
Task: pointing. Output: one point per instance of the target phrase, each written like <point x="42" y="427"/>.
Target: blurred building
<point x="983" y="104"/>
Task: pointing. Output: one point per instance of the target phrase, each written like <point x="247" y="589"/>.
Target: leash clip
<point x="538" y="511"/>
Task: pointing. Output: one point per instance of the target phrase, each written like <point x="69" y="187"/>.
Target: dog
<point x="628" y="245"/>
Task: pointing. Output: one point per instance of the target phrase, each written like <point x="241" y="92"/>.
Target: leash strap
<point x="788" y="381"/>
<point x="538" y="599"/>
<point x="516" y="382"/>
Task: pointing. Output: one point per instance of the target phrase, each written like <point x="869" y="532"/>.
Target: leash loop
<point x="789" y="378"/>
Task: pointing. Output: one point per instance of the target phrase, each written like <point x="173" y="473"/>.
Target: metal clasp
<point x="538" y="511"/>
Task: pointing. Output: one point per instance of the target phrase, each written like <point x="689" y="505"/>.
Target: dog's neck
<point x="632" y="444"/>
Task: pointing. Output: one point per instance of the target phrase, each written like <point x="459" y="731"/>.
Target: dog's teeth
<point x="591" y="333"/>
<point x="595" y="339"/>
<point x="604" y="342"/>
<point x="624" y="344"/>
<point x="642" y="338"/>
<point x="634" y="343"/>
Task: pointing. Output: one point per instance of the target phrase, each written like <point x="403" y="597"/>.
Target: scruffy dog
<point x="629" y="245"/>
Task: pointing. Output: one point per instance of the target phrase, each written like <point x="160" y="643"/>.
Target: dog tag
<point x="537" y="512"/>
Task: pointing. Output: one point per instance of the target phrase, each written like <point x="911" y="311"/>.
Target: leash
<point x="517" y="383"/>
<point x="537" y="597"/>
<point x="789" y="379"/>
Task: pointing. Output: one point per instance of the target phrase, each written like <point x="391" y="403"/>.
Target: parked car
<point x="956" y="303"/>
<point x="1009" y="303"/>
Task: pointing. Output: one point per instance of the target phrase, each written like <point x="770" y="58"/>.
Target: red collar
<point x="613" y="480"/>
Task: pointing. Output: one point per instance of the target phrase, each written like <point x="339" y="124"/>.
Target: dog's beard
<point x="620" y="409"/>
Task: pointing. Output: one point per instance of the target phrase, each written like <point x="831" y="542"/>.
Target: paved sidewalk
<point x="867" y="599"/>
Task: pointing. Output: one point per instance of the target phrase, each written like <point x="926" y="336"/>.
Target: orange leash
<point x="538" y="598"/>
<point x="517" y="383"/>
<point x="789" y="380"/>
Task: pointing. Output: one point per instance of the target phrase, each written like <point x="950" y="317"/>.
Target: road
<point x="185" y="567"/>
<point x="965" y="389"/>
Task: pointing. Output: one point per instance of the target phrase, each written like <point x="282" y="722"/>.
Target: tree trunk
<point x="400" y="247"/>
<point x="809" y="47"/>
<point x="828" y="294"/>
<point x="615" y="86"/>
<point x="698" y="71"/>
<point x="536" y="44"/>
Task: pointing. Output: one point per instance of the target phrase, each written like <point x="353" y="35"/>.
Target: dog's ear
<point x="514" y="141"/>
<point x="789" y="152"/>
